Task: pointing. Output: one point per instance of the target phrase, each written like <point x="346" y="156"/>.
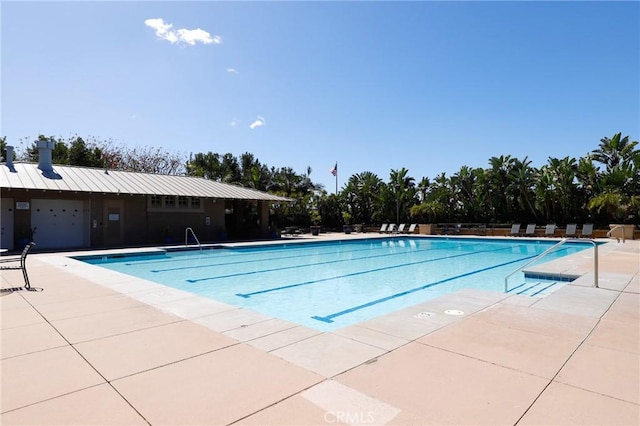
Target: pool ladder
<point x="186" y="237"/>
<point x="549" y="250"/>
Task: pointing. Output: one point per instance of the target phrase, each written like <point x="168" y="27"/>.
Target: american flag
<point x="334" y="170"/>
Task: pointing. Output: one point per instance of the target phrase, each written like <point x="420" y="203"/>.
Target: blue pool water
<point x="330" y="285"/>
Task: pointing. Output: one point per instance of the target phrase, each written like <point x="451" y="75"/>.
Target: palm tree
<point x="423" y="188"/>
<point x="499" y="177"/>
<point x="544" y="194"/>
<point x="612" y="205"/>
<point x="619" y="184"/>
<point x="482" y="195"/>
<point x="402" y="187"/>
<point x="253" y="174"/>
<point x="587" y="174"/>
<point x="565" y="189"/>
<point x="522" y="180"/>
<point x="329" y="208"/>
<point x="463" y="183"/>
<point x="206" y="165"/>
<point x="3" y="148"/>
<point x="443" y="194"/>
<point x="285" y="181"/>
<point x="615" y="151"/>
<point x="362" y="193"/>
<point x="588" y="177"/>
<point x="427" y="212"/>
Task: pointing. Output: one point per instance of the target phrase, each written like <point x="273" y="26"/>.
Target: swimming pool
<point x="330" y="285"/>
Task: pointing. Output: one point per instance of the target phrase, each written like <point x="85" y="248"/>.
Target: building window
<point x="182" y="203"/>
<point x="156" y="201"/>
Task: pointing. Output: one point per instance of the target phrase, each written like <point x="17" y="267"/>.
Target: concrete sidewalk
<point x="102" y="348"/>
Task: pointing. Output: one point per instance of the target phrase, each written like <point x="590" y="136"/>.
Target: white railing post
<point x="613" y="229"/>
<point x="595" y="264"/>
<point x="186" y="237"/>
<point x="550" y="249"/>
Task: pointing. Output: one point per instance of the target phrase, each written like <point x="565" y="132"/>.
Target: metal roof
<point x="91" y="180"/>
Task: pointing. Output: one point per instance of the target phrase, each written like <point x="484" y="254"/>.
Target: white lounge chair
<point x="400" y="229"/>
<point x="412" y="228"/>
<point x="570" y="231"/>
<point x="587" y="230"/>
<point x="383" y="228"/>
<point x="531" y="230"/>
<point x="550" y="230"/>
<point x="515" y="230"/>
<point x="391" y="229"/>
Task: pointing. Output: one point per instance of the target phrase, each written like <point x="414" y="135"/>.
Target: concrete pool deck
<point x="97" y="347"/>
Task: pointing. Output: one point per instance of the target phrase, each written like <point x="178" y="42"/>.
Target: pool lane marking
<point x="305" y="283"/>
<point x="170" y="255"/>
<point x="270" y="259"/>
<point x="368" y="249"/>
<point x="305" y="265"/>
<point x="248" y="251"/>
<point x="329" y="318"/>
<point x="253" y="251"/>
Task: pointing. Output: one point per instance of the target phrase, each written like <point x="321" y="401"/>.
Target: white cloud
<point x="232" y="71"/>
<point x="165" y="31"/>
<point x="234" y="122"/>
<point x="258" y="123"/>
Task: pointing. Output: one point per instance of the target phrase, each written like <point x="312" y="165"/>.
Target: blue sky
<point x="430" y="86"/>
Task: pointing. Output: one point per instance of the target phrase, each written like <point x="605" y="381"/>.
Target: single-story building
<point x="62" y="207"/>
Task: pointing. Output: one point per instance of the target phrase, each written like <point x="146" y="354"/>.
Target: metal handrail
<point x="550" y="249"/>
<point x="613" y="229"/>
<point x="186" y="237"/>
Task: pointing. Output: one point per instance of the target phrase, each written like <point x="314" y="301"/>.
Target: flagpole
<point x="336" y="178"/>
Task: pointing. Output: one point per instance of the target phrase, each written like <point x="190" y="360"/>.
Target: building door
<point x="6" y="223"/>
<point x="114" y="222"/>
<point x="57" y="223"/>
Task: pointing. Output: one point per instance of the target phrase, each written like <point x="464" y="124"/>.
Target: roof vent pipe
<point x="45" y="149"/>
<point x="9" y="159"/>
